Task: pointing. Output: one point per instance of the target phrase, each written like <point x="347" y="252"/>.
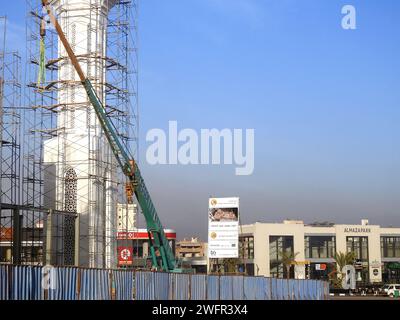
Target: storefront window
<point x="359" y="246"/>
<point x="277" y="245"/>
<point x="391" y="272"/>
<point x="390" y="247"/>
<point x="319" y="246"/>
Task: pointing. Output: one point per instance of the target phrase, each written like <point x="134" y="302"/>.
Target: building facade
<point x="188" y="248"/>
<point x="133" y="247"/>
<point x="376" y="249"/>
<point x="193" y="254"/>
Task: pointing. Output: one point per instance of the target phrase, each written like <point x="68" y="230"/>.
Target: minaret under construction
<point x="80" y="171"/>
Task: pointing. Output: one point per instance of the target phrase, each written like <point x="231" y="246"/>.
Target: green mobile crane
<point x="135" y="185"/>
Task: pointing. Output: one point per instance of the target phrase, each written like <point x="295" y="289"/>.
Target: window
<point x="246" y="247"/>
<point x="358" y="245"/>
<point x="277" y="245"/>
<point x="70" y="205"/>
<point x="390" y="247"/>
<point x="320" y="246"/>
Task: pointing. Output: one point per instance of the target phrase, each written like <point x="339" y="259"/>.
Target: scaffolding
<point x="67" y="165"/>
<point x="10" y="148"/>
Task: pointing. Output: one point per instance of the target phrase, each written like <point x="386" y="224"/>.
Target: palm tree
<point x="341" y="259"/>
<point x="287" y="258"/>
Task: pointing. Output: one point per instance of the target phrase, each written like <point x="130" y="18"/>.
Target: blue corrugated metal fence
<point x="4" y="281"/>
<point x="69" y="283"/>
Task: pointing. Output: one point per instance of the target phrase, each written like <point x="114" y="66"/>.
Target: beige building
<point x="377" y="249"/>
<point x="190" y="248"/>
<point x="193" y="253"/>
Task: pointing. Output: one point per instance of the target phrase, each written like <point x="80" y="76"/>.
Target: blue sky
<point x="324" y="103"/>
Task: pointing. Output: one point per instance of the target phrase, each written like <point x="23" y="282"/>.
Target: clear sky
<point x="324" y="103"/>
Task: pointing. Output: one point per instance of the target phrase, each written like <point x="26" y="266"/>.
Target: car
<point x="384" y="289"/>
<point x="389" y="289"/>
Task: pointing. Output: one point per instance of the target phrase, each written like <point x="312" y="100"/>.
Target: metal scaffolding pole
<point x="92" y="185"/>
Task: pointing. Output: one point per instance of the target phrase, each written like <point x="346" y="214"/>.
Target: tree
<point x="230" y="264"/>
<point x="287" y="258"/>
<point x="341" y="260"/>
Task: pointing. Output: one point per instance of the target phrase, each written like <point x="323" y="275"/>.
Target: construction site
<point x="72" y="193"/>
<point x="60" y="182"/>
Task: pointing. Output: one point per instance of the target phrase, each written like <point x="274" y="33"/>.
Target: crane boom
<point x="128" y="165"/>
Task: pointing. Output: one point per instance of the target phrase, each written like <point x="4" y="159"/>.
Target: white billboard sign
<point x="223" y="228"/>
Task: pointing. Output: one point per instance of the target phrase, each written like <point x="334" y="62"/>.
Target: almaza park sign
<point x="357" y="230"/>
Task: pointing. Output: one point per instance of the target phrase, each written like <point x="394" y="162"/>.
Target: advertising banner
<point x="125" y="256"/>
<point x="223" y="228"/>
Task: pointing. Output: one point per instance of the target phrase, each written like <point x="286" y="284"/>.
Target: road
<point x="363" y="298"/>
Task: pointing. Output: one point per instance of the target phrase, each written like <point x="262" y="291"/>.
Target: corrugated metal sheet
<point x="308" y="290"/>
<point x="298" y="290"/>
<point x="274" y="289"/>
<point x="292" y="289"/>
<point x="84" y="284"/>
<point x="213" y="288"/>
<point x="260" y="288"/>
<point x="104" y="285"/>
<point x="321" y="290"/>
<point x="302" y="290"/>
<point x="69" y="280"/>
<point x="161" y="283"/>
<point x="90" y="284"/>
<point x="37" y="289"/>
<point x="4" y="287"/>
<point x="123" y="283"/>
<point x="71" y="283"/>
<point x="279" y="289"/>
<point x="238" y="290"/>
<point x="179" y="286"/>
<point x="18" y="284"/>
<point x="117" y="284"/>
<point x="27" y="283"/>
<point x="285" y="289"/>
<point x="198" y="287"/>
<point x="250" y="288"/>
<point x="300" y="294"/>
<point x="315" y="290"/>
<point x="143" y="288"/>
<point x="268" y="293"/>
<point x="225" y="288"/>
<point x="63" y="284"/>
<point x="107" y="290"/>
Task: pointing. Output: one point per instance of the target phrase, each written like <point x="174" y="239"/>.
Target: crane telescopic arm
<point x="129" y="167"/>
